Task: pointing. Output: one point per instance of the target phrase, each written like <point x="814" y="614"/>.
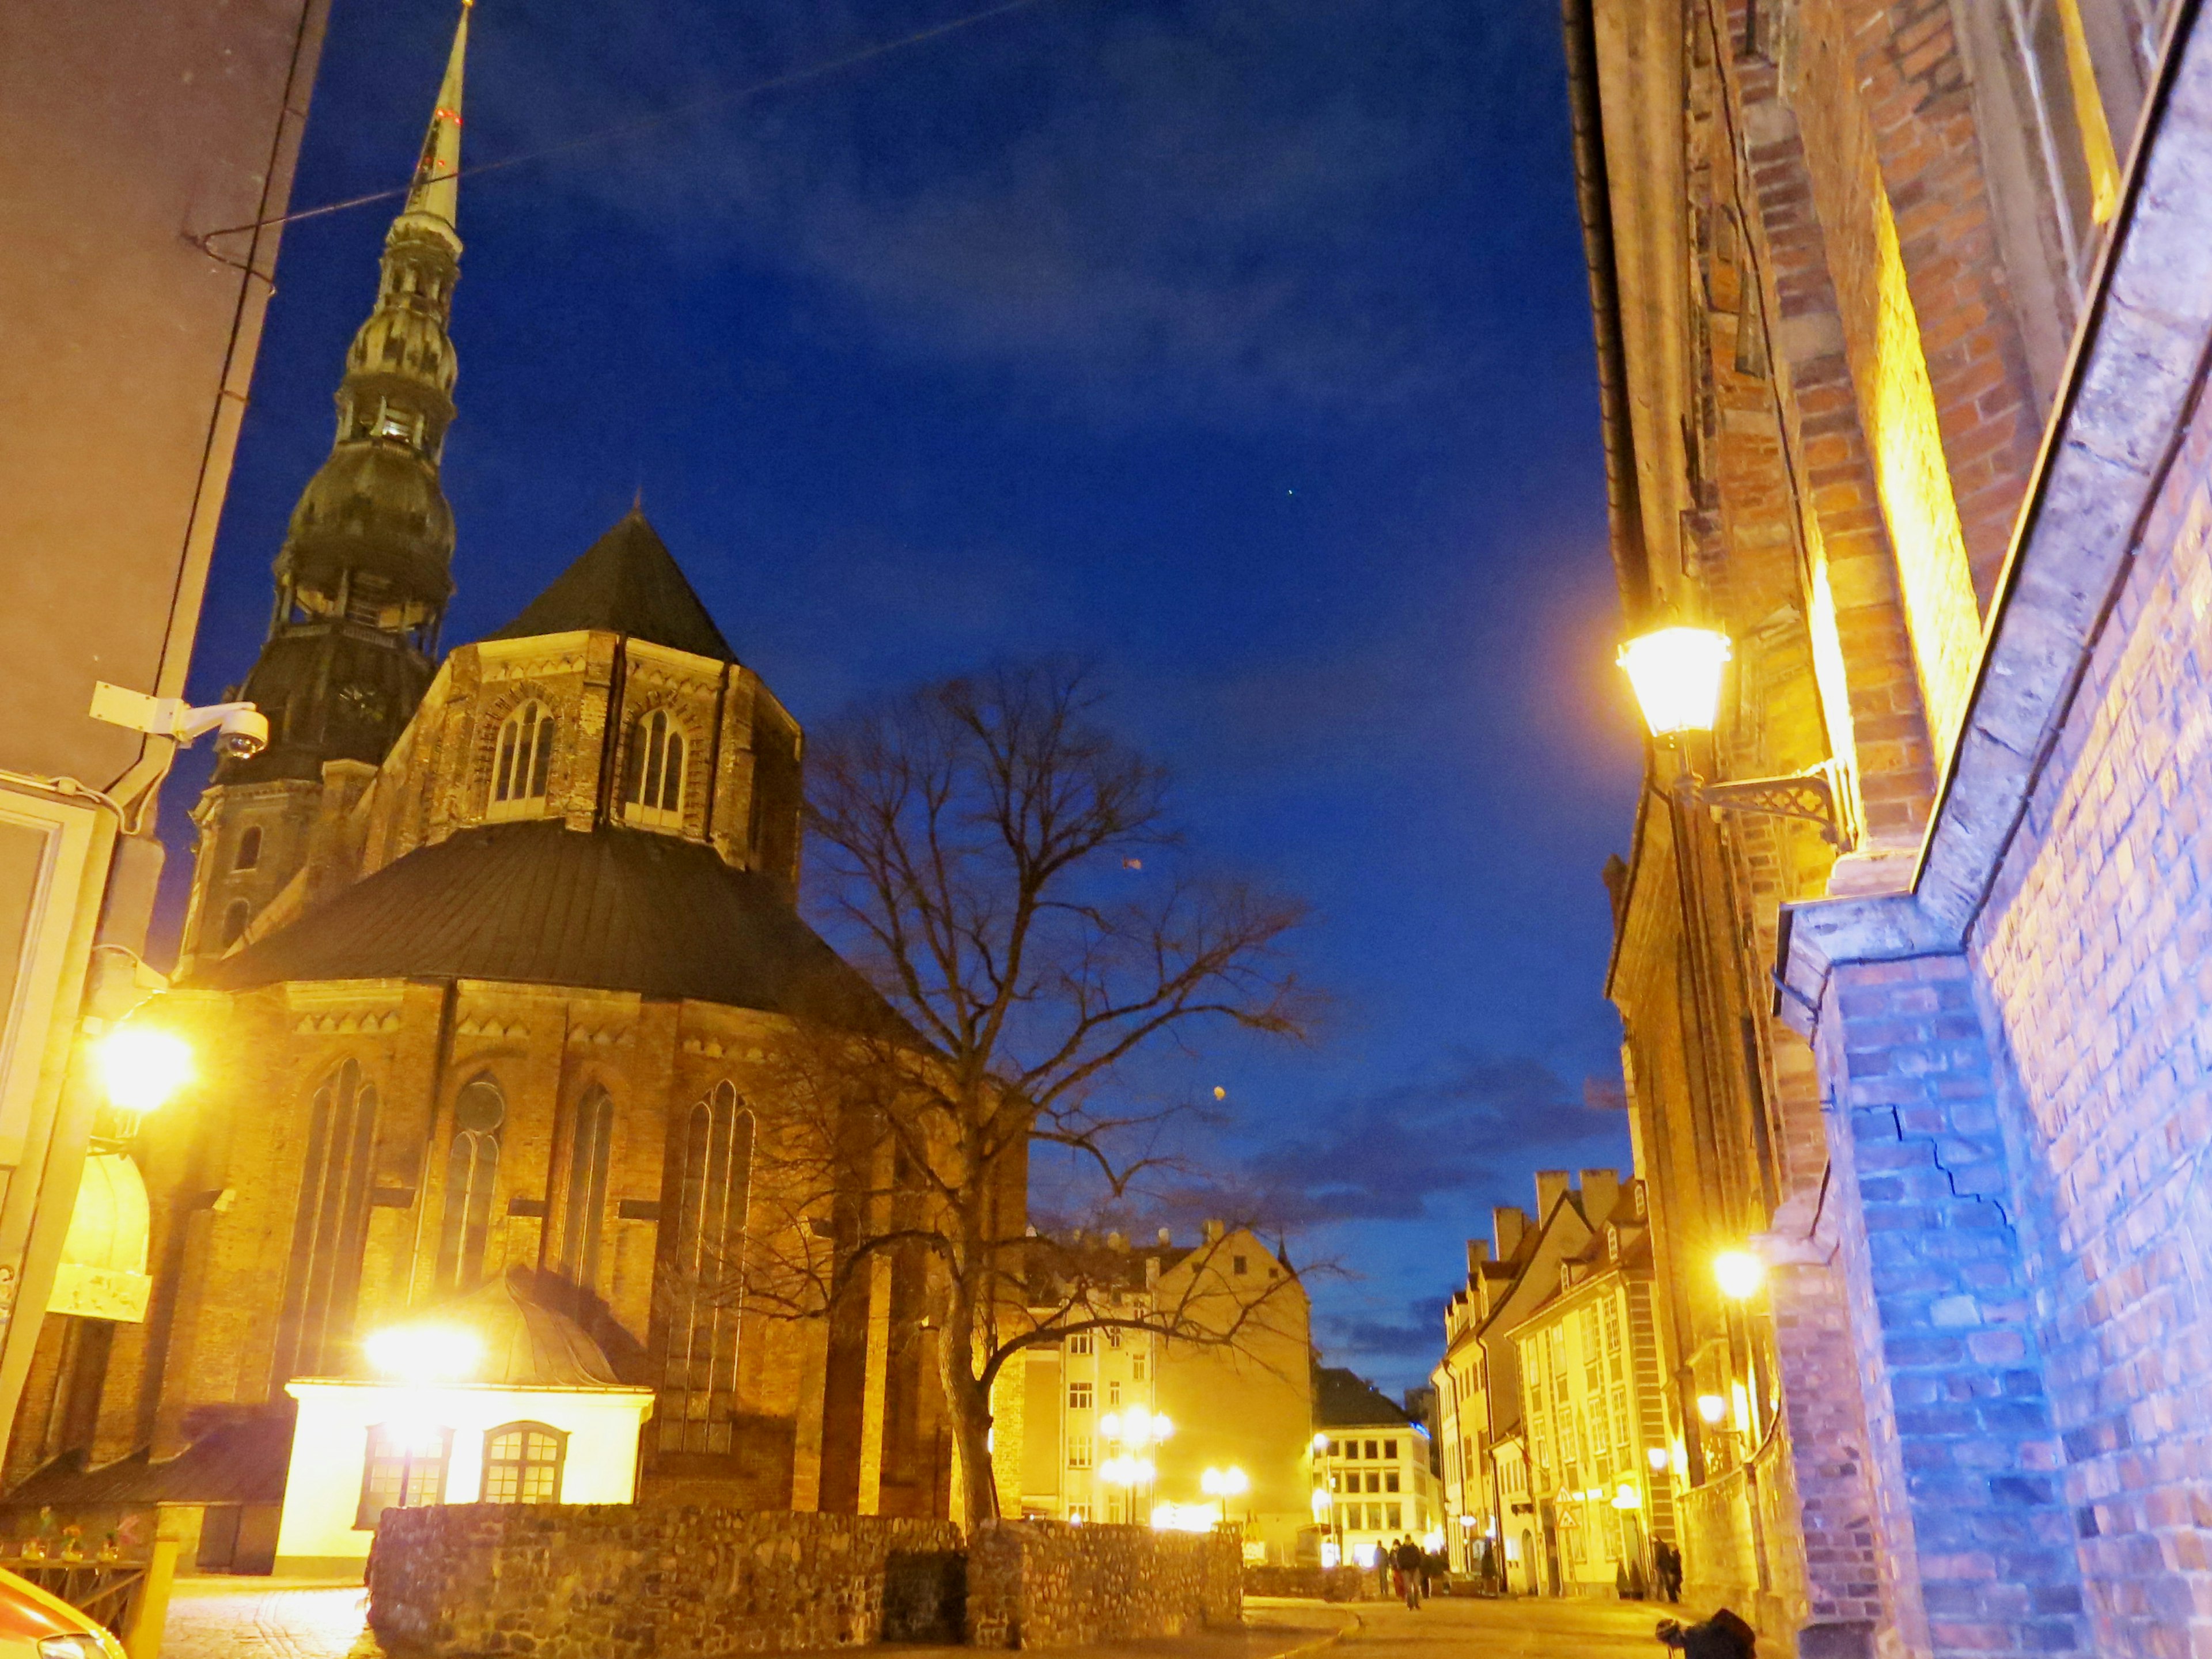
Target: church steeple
<point x="365" y="572"/>
<point x="364" y="575"/>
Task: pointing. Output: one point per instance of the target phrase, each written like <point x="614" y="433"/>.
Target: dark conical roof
<point x="627" y="582"/>
<point x="539" y="904"/>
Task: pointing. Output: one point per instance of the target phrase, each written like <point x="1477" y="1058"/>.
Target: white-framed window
<point x="1079" y="1396"/>
<point x="520" y="760"/>
<point x="1079" y="1513"/>
<point x="1113" y="1336"/>
<point x="1136" y="1368"/>
<point x="522" y="1463"/>
<point x="1079" y="1451"/>
<point x="653" y="787"/>
<point x="1079" y="1343"/>
<point x="405" y="1469"/>
<point x="1114" y="1394"/>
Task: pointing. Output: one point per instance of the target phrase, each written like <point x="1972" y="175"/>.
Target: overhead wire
<point x="638" y="124"/>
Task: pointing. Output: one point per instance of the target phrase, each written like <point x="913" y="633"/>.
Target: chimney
<point x="1213" y="1232"/>
<point x="1509" y="1223"/>
<point x="1167" y="1239"/>
<point x="1116" y="1241"/>
<point x="1478" y="1252"/>
<point x="1601" y="1191"/>
<point x="1551" y="1185"/>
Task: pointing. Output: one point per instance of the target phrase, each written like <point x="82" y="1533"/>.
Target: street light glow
<point x="1626" y="1497"/>
<point x="423" y="1354"/>
<point x="1656" y="1456"/>
<point x="1321" y="1445"/>
<point x="1712" y="1408"/>
<point x="1740" y="1273"/>
<point x="1676" y="676"/>
<point x="1225" y="1483"/>
<point x="143" y="1066"/>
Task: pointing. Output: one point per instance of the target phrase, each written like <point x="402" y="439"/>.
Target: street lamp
<point x="142" y="1066"/>
<point x="1676" y="674"/>
<point x="422" y="1355"/>
<point x="1712" y="1408"/>
<point x="1740" y="1273"/>
<point x="1657" y="1457"/>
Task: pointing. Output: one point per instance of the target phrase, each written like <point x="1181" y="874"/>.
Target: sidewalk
<point x="297" y="1619"/>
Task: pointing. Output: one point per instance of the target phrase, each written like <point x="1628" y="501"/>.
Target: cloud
<point x="1382" y="1157"/>
<point x="1418" y="1336"/>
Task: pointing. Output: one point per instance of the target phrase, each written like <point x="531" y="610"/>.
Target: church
<point x="482" y="954"/>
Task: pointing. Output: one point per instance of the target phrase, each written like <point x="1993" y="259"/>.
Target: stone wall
<point x="1046" y="1583"/>
<point x="607" y="1581"/>
<point x="1313" y="1583"/>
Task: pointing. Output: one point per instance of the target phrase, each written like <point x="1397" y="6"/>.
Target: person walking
<point x="1407" y="1558"/>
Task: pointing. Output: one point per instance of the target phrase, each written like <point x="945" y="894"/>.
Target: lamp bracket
<point x="1811" y="797"/>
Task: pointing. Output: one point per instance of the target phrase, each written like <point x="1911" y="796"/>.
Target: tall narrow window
<point x="235" y="916"/>
<point x="699" y="1392"/>
<point x="521" y="761"/>
<point x="405" y="1469"/>
<point x="471" y="1170"/>
<point x="249" y="848"/>
<point x="328" y="1227"/>
<point x="653" y="791"/>
<point x="522" y="1463"/>
<point x="589" y="1143"/>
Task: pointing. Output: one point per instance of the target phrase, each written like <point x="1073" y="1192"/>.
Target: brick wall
<point x="2094" y="944"/>
<point x="1961" y="1432"/>
<point x="607" y="1581"/>
<point x="1046" y="1583"/>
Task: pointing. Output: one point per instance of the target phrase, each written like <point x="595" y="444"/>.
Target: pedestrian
<point x="1407" y="1558"/>
<point x="1667" y="1568"/>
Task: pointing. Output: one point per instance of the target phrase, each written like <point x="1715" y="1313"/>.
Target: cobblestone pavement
<point x="1508" y="1628"/>
<point x="266" y="1618"/>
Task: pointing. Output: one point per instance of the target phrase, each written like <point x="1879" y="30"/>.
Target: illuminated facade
<point x="1372" y="1460"/>
<point x="1900" y="396"/>
<point x="131" y="350"/>
<point x="1137" y="1427"/>
<point x="485" y="963"/>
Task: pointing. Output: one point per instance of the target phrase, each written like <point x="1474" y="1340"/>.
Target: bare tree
<point x="1005" y="872"/>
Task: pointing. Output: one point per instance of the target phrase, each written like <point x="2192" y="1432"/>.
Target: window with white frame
<point x="405" y="1469"/>
<point x="1079" y="1343"/>
<point x="1079" y="1396"/>
<point x="521" y="759"/>
<point x="1079" y="1451"/>
<point x="522" y="1463"/>
<point x="653" y="790"/>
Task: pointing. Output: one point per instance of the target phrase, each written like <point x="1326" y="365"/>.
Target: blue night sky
<point x="1241" y="346"/>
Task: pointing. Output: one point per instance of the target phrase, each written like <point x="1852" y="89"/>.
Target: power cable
<point x="774" y="83"/>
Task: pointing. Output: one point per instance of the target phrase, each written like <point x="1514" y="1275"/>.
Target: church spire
<point x="363" y="578"/>
<point x="436" y="189"/>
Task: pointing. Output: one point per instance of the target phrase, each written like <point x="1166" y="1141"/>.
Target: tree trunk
<point x="969" y="1403"/>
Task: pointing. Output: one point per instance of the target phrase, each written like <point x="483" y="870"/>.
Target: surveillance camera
<point x="241" y="730"/>
<point x="243" y="734"/>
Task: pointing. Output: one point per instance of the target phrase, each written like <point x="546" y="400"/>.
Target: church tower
<point x="364" y="575"/>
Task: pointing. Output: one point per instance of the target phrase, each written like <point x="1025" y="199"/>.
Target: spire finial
<point x="436" y="189"/>
<point x="637" y="501"/>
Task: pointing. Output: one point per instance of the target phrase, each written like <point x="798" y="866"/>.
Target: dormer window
<point x="521" y="762"/>
<point x="395" y="424"/>
<point x="653" y="792"/>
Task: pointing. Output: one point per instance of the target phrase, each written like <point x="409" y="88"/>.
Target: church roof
<point x="626" y="582"/>
<point x="539" y="904"/>
<point x="527" y="1343"/>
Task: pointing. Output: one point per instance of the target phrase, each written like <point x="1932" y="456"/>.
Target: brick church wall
<point x="2095" y="948"/>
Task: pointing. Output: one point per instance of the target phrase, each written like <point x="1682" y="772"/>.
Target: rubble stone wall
<point x="1047" y="1584"/>
<point x="609" y="1581"/>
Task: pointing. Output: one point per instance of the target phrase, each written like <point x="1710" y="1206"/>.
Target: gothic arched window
<point x="249" y="848"/>
<point x="329" y="1226"/>
<point x="699" y="1393"/>
<point x="521" y="761"/>
<point x="590" y="1140"/>
<point x="652" y="793"/>
<point x="471" y="1170"/>
<point x="522" y="1463"/>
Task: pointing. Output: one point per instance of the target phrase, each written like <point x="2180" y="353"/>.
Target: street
<point x="262" y="1619"/>
<point x="1478" y="1628"/>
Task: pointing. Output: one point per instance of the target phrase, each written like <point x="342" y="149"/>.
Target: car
<point x="36" y="1624"/>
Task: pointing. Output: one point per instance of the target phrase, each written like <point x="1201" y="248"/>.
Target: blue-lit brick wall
<point x="2095" y="953"/>
<point x="1970" y="1506"/>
